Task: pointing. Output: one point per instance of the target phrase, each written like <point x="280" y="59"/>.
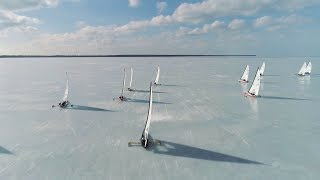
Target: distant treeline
<point x="125" y="55"/>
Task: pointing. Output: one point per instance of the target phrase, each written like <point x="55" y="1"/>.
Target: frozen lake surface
<point x="208" y="128"/>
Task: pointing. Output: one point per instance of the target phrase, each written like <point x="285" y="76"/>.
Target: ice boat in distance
<point x="156" y="81"/>
<point x="245" y="75"/>
<point x="255" y="86"/>
<point x="121" y="97"/>
<point x="145" y="140"/>
<point x="130" y="84"/>
<point x="302" y="71"/>
<point x="308" y="68"/>
<point x="65" y="102"/>
<point x="262" y="69"/>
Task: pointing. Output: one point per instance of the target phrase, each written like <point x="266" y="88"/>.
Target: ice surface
<point x="208" y="128"/>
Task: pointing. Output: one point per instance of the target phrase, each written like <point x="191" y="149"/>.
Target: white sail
<point x="131" y="78"/>
<point x="308" y="68"/>
<point x="254" y="89"/>
<point x="124" y="82"/>
<point x="66" y="92"/>
<point x="245" y="74"/>
<point x="262" y="68"/>
<point x="303" y="69"/>
<point x="147" y="125"/>
<point x="157" y="77"/>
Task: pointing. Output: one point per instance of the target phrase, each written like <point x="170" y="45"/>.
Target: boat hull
<point x="246" y="94"/>
<point x="64" y="104"/>
<point x="242" y="81"/>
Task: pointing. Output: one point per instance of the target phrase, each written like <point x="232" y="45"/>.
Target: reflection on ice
<point x="304" y="80"/>
<point x="244" y="87"/>
<point x="254" y="104"/>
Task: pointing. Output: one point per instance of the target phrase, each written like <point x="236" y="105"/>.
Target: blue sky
<point x="264" y="27"/>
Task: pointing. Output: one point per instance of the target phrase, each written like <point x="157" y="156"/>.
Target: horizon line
<point x="131" y="55"/>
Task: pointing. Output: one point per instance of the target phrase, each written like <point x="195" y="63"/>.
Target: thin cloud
<point x="272" y="23"/>
<point x="17" y="5"/>
<point x="161" y="6"/>
<point x="207" y="28"/>
<point x="237" y="24"/>
<point x="9" y="19"/>
<point x="134" y="3"/>
<point x="212" y="9"/>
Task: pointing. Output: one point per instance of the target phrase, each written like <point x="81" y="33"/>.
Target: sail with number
<point x="262" y="68"/>
<point x="302" y="69"/>
<point x="145" y="132"/>
<point x="255" y="87"/>
<point x="245" y="75"/>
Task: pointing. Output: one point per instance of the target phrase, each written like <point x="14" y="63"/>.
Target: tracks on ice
<point x="237" y="134"/>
